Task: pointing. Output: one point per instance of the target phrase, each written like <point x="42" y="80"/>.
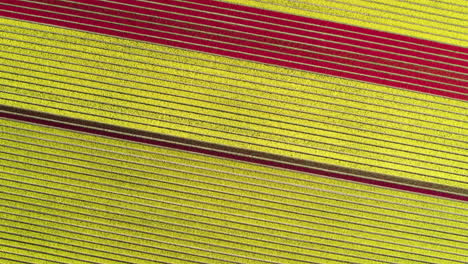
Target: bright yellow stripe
<point x="135" y="47"/>
<point x="429" y="10"/>
<point x="160" y="119"/>
<point x="453" y="5"/>
<point x="379" y="16"/>
<point x="212" y="176"/>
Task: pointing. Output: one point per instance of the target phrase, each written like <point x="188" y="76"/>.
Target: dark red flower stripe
<point x="303" y="24"/>
<point x="156" y="16"/>
<point x="271" y="23"/>
<point x="385" y="37"/>
<point x="260" y="47"/>
<point x="199" y="149"/>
